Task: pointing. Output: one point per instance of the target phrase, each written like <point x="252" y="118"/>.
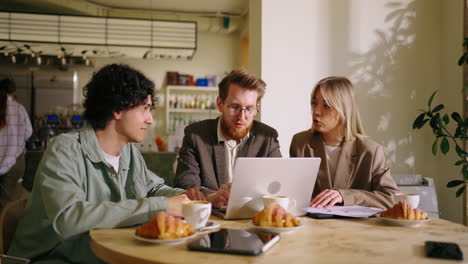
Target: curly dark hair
<point x="114" y="88"/>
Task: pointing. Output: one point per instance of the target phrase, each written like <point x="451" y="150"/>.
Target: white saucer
<point x="210" y="225"/>
<point x="402" y="222"/>
<point x="164" y="241"/>
<point x="276" y="230"/>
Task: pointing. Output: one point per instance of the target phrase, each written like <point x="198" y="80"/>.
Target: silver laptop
<point x="255" y="177"/>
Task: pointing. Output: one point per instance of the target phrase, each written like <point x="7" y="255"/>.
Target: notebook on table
<point x="255" y="177"/>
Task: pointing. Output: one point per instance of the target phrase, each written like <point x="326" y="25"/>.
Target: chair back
<point x="9" y="218"/>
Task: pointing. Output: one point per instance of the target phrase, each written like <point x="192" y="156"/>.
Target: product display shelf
<point x="185" y="104"/>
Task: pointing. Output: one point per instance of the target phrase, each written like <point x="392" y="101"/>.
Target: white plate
<point x="402" y="222"/>
<point x="164" y="241"/>
<point x="210" y="225"/>
<point x="276" y="230"/>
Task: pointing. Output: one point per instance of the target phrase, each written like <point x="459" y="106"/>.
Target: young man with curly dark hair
<point x="95" y="177"/>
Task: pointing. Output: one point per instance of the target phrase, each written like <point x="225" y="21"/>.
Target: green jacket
<point x="76" y="190"/>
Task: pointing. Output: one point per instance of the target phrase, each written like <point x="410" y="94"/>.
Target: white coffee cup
<point x="196" y="213"/>
<point x="410" y="198"/>
<point x="283" y="201"/>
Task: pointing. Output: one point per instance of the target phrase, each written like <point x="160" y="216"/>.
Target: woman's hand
<point x="326" y="198"/>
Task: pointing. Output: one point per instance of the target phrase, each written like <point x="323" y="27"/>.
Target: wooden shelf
<point x="195" y="113"/>
<point x="198" y="111"/>
<point x="192" y="88"/>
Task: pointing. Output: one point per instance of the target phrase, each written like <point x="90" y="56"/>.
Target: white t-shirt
<point x="333" y="152"/>
<point x="112" y="160"/>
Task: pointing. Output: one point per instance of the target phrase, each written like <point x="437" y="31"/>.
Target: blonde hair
<point x="338" y="92"/>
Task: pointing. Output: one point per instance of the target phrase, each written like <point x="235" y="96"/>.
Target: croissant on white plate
<point x="402" y="210"/>
<point x="275" y="216"/>
<point x="164" y="226"/>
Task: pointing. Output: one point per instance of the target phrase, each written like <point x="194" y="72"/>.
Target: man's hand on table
<point x="221" y="197"/>
<point x="174" y="204"/>
<point x="195" y="194"/>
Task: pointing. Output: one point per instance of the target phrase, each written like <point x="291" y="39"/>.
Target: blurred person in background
<point x="15" y="129"/>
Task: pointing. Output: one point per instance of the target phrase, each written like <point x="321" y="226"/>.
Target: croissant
<point x="275" y="216"/>
<point x="164" y="226"/>
<point x="402" y="210"/>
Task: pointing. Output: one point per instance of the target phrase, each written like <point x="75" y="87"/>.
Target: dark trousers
<point x="10" y="188"/>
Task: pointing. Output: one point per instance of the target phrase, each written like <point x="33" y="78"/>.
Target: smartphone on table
<point x="235" y="241"/>
<point x="443" y="250"/>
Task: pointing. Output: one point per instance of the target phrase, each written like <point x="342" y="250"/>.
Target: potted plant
<point x="439" y="121"/>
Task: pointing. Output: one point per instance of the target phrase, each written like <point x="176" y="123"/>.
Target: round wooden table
<point x="317" y="241"/>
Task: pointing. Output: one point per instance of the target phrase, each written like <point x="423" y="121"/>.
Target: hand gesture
<point x="326" y="198"/>
<point x="174" y="204"/>
<point x="221" y="197"/>
<point x="195" y="194"/>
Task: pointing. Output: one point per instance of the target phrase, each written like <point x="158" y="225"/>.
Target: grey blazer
<point x="361" y="176"/>
<point x="202" y="161"/>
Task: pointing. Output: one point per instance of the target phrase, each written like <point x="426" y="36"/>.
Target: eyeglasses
<point x="235" y="109"/>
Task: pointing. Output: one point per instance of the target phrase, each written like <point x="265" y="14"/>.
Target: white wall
<point x="396" y="54"/>
<point x="450" y="95"/>
<point x="217" y="53"/>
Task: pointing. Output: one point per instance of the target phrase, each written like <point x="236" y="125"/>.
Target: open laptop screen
<point x="255" y="177"/>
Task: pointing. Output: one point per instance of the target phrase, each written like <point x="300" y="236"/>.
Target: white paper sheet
<point x="349" y="211"/>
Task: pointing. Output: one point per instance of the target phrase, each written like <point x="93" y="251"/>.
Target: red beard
<point x="234" y="133"/>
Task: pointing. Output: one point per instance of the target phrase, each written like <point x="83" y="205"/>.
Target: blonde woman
<point x="352" y="171"/>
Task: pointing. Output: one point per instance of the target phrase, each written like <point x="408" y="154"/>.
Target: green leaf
<point x="461" y="61"/>
<point x="434" y="147"/>
<point x="438" y="108"/>
<point x="424" y="122"/>
<point x="431" y="98"/>
<point x="460" y="152"/>
<point x="454" y="183"/>
<point x="459" y="162"/>
<point x="444" y="145"/>
<point x="465" y="173"/>
<point x="446" y="119"/>
<point x="418" y="123"/>
<point x="456" y="116"/>
<point x="435" y="124"/>
<point x="460" y="191"/>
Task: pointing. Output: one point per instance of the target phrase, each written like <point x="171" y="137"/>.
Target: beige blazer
<point x="361" y="176"/>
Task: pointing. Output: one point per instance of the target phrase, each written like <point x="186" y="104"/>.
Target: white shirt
<point x="231" y="148"/>
<point x="112" y="160"/>
<point x="332" y="152"/>
<point x="14" y="135"/>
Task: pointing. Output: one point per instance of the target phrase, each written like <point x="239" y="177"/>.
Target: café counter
<point x="161" y="163"/>
<point x="317" y="241"/>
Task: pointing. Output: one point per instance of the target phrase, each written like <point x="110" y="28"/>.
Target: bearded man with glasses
<point x="210" y="147"/>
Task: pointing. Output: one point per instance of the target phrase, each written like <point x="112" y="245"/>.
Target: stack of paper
<point x="348" y="211"/>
